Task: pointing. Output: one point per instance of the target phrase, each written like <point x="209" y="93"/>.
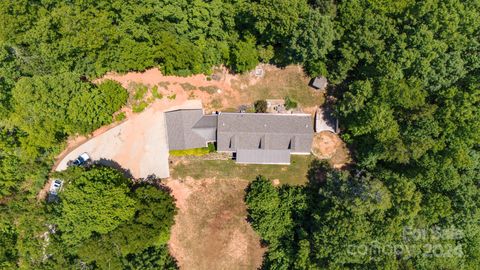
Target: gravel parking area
<point x="138" y="146"/>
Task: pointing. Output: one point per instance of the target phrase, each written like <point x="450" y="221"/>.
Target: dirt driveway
<point x="139" y="146"/>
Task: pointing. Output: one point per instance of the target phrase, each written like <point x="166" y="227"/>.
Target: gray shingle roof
<point x="261" y="156"/>
<point x="207" y="121"/>
<point x="207" y="127"/>
<point x="293" y="132"/>
<point x="320" y="83"/>
<point x="188" y="129"/>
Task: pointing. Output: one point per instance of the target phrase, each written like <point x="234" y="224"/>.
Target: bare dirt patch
<point x="175" y="87"/>
<point x="227" y="91"/>
<point x="327" y="145"/>
<point x="211" y="231"/>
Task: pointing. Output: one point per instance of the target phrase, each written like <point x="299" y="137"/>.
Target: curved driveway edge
<point x="138" y="146"/>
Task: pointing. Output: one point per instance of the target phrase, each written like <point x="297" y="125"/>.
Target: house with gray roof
<point x="264" y="132"/>
<point x="253" y="138"/>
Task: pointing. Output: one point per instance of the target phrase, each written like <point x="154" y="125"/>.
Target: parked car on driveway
<point x="80" y="160"/>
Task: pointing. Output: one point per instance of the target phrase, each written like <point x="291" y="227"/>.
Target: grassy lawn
<point x="279" y="83"/>
<point x="293" y="174"/>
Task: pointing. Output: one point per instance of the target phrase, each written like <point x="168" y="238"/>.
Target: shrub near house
<point x="261" y="106"/>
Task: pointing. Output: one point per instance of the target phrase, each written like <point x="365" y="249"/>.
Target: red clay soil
<point x="172" y="85"/>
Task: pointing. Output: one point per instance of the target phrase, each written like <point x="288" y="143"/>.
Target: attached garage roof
<point x="206" y="127"/>
<point x="189" y="129"/>
<point x="261" y="156"/>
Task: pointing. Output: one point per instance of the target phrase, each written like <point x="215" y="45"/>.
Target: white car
<point x="81" y="160"/>
<point x="56" y="186"/>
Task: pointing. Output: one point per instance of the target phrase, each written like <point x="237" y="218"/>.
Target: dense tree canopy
<point x="8" y="239"/>
<point x="183" y="37"/>
<point x="49" y="108"/>
<point x="95" y="202"/>
<point x="405" y="76"/>
<point x="100" y="210"/>
<point x="363" y="221"/>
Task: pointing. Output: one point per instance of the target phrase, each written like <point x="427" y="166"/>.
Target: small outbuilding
<point x="319" y="83"/>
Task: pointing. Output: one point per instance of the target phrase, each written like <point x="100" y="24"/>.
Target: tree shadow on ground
<point x="151" y="179"/>
<point x="115" y="165"/>
<point x="317" y="172"/>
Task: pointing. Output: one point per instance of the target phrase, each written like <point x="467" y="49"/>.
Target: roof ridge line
<point x="282" y="114"/>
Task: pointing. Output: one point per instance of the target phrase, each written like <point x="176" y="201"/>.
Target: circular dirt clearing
<point x="327" y="145"/>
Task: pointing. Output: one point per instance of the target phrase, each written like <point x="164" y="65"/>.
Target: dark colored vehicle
<point x="81" y="160"/>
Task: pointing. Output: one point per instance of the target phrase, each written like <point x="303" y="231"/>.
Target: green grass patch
<point x="230" y="110"/>
<point x="216" y="103"/>
<point x="293" y="174"/>
<point x="139" y="107"/>
<point x="140" y="91"/>
<point x="172" y="97"/>
<point x="188" y="86"/>
<point x="290" y="103"/>
<point x="120" y="117"/>
<point x="209" y="89"/>
<point x="155" y="93"/>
